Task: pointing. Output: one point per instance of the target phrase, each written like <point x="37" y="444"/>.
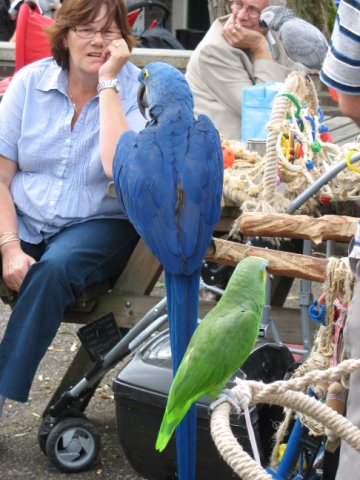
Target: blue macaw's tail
<point x="183" y="298"/>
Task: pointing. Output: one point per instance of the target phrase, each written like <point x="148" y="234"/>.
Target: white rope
<point x="286" y="394"/>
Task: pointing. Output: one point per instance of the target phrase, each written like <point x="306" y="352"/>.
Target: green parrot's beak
<point x="142" y="100"/>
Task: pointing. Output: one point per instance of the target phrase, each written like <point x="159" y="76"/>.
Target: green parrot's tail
<point x="165" y="432"/>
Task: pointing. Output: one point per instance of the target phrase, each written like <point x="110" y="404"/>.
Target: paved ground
<point x="20" y="454"/>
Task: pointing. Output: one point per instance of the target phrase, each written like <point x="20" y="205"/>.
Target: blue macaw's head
<point x="161" y="86"/>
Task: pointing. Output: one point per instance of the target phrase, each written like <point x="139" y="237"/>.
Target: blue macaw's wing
<point x="170" y="182"/>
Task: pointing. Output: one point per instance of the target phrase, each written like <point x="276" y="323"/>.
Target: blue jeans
<point x="70" y="261"/>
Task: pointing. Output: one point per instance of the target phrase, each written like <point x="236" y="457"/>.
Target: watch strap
<point x="114" y="84"/>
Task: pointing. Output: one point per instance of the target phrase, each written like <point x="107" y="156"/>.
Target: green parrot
<point x="219" y="346"/>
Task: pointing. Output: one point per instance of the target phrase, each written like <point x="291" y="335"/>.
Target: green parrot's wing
<point x="216" y="351"/>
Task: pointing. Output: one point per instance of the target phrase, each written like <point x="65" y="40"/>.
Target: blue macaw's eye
<point x="146" y="73"/>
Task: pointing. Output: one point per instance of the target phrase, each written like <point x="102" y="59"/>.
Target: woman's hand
<point x="15" y="265"/>
<point x="116" y="54"/>
<point x="246" y="39"/>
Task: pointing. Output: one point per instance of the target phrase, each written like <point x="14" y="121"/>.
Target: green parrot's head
<point x="249" y="278"/>
<point x="162" y="86"/>
<point x="254" y="265"/>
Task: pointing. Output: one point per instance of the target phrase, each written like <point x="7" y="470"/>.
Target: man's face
<point x="247" y="13"/>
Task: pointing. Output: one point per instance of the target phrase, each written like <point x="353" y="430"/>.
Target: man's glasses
<point x="88" y="32"/>
<point x="252" y="11"/>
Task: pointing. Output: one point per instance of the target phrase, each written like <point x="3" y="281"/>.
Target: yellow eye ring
<point x="146" y="73"/>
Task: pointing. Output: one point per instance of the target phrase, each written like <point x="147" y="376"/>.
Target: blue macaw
<point x="169" y="179"/>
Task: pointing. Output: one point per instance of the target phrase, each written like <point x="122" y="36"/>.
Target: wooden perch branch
<point x="327" y="227"/>
<point x="280" y="263"/>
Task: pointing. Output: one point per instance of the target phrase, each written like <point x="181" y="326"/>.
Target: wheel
<point x="49" y="422"/>
<point x="73" y="444"/>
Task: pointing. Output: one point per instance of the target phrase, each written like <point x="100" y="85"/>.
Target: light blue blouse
<point x="60" y="180"/>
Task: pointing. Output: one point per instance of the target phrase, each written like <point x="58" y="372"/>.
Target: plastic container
<point x="141" y="389"/>
<point x="257" y="103"/>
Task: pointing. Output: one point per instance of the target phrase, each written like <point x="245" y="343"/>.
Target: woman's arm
<point x="15" y="263"/>
<point x="112" y="117"/>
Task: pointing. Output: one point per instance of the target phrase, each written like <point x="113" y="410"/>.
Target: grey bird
<point x="303" y="43"/>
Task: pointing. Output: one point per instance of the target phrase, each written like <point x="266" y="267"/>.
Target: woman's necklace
<point x="74" y="104"/>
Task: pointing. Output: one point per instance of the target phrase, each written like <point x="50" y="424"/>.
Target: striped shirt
<point x="341" y="69"/>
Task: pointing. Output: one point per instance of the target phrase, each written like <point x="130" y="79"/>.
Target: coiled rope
<point x="286" y="394"/>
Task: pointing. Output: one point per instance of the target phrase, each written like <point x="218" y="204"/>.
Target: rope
<point x="286" y="394"/>
<point x="281" y="104"/>
<point x="338" y="283"/>
<point x="270" y="183"/>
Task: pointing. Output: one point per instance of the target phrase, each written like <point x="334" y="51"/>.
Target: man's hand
<point x="246" y="39"/>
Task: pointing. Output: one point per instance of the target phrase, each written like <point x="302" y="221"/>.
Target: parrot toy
<point x="220" y="345"/>
<point x="303" y="43"/>
<point x="169" y="178"/>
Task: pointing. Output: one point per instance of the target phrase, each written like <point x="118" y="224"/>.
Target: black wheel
<point x="73" y="444"/>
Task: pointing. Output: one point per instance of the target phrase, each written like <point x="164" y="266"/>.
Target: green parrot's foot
<point x="229" y="396"/>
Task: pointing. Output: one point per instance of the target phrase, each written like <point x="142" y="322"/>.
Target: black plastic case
<point x="141" y="389"/>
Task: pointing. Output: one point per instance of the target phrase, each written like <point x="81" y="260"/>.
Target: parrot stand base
<point x="141" y="389"/>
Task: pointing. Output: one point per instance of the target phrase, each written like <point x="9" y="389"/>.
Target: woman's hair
<point x="76" y="12"/>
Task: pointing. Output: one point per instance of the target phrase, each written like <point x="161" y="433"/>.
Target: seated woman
<point x="59" y="230"/>
<point x="234" y="54"/>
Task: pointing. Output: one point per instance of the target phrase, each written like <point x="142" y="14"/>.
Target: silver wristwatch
<point x="114" y="84"/>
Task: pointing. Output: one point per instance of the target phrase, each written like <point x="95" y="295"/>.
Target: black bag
<point x="159" y="37"/>
<point x="7" y="26"/>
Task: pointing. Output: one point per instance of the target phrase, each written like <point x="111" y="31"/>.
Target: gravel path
<point x="20" y="454"/>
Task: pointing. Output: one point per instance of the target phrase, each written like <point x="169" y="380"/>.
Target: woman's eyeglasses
<point x="88" y="32"/>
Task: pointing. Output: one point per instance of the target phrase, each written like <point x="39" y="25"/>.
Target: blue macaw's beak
<point x="142" y="100"/>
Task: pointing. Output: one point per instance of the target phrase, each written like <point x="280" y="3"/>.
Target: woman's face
<point x="87" y="49"/>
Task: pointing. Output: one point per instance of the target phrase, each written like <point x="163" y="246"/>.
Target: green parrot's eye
<point x="146" y="73"/>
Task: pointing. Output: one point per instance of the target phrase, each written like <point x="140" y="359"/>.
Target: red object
<point x="325" y="200"/>
<point x="153" y="24"/>
<point x="31" y="41"/>
<point x="299" y="152"/>
<point x="333" y="94"/>
<point x="132" y="17"/>
<point x="326" y="137"/>
<point x="229" y="156"/>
